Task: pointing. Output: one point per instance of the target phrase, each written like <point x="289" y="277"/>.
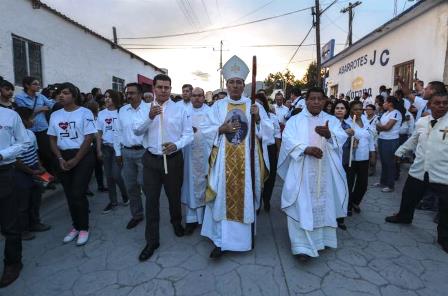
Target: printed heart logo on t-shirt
<point x="63" y="125"/>
<point x="108" y="120"/>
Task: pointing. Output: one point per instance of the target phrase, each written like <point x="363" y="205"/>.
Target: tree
<point x="309" y="79"/>
<point x="286" y="77"/>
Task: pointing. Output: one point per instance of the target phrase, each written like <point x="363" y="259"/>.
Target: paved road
<point x="373" y="258"/>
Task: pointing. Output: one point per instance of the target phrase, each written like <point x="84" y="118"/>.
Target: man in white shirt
<point x="298" y="103"/>
<point x="166" y="129"/>
<point x="430" y="167"/>
<point x="187" y="90"/>
<point x="280" y="110"/>
<point x="13" y="140"/>
<point x="129" y="149"/>
<point x="367" y="100"/>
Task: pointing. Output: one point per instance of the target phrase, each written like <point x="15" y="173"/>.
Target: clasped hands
<point x="322" y="131"/>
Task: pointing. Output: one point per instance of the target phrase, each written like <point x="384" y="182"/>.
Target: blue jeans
<point x="386" y="149"/>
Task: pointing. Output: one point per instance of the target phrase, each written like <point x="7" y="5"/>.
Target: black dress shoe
<point x="147" y="252"/>
<point x="10" y="274"/>
<point x="397" y="220"/>
<point x="342" y="226"/>
<point x="133" y="222"/>
<point x="178" y="230"/>
<point x="190" y="227"/>
<point x="356" y="209"/>
<point x="303" y="258"/>
<point x="89" y="193"/>
<point x="40" y="227"/>
<point x="216" y="253"/>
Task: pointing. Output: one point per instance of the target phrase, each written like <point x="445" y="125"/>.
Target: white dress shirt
<point x="13" y="137"/>
<point x="420" y="104"/>
<point x="176" y="128"/>
<point x="431" y="150"/>
<point x="281" y="112"/>
<point x="127" y="117"/>
<point x="276" y="123"/>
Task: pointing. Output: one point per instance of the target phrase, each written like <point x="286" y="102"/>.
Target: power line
<point x="206" y="12"/>
<point x="219" y="28"/>
<point x="255" y="10"/>
<point x="297" y="49"/>
<point x="185" y="46"/>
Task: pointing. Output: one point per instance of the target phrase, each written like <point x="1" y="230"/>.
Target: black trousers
<point x="9" y="216"/>
<point x="99" y="175"/>
<point x="29" y="195"/>
<point x="45" y="154"/>
<point x="270" y="182"/>
<point x="412" y="194"/>
<point x="357" y="181"/>
<point x="153" y="179"/>
<point x="75" y="183"/>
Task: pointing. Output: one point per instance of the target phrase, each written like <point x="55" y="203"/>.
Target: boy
<point x="28" y="190"/>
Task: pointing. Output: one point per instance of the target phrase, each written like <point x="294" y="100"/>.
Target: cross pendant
<point x="444" y="131"/>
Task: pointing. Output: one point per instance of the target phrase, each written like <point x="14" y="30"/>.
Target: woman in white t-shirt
<point x="106" y="119"/>
<point x="71" y="132"/>
<point x="388" y="128"/>
<point x="372" y="119"/>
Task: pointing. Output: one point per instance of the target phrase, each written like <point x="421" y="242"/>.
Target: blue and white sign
<point x="327" y="51"/>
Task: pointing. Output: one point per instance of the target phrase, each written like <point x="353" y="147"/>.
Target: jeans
<point x="29" y="195"/>
<point x="132" y="173"/>
<point x="412" y="194"/>
<point x="75" y="183"/>
<point x="9" y="216"/>
<point x="154" y="178"/>
<point x="387" y="150"/>
<point x="113" y="174"/>
<point x="357" y="180"/>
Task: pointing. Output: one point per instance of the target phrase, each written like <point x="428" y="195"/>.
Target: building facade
<point x="412" y="45"/>
<point x="37" y="40"/>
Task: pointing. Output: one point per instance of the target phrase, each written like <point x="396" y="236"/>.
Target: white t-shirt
<point x="70" y="128"/>
<point x="106" y="123"/>
<point x="394" y="132"/>
<point x="420" y="104"/>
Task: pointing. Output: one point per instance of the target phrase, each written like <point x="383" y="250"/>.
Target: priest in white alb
<point x="315" y="186"/>
<point x="230" y="204"/>
<point x="196" y="157"/>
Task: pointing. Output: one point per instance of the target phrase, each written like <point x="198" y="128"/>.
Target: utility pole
<point x="316" y="23"/>
<point x="349" y="9"/>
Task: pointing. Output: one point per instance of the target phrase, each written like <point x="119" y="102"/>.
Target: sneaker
<point x="125" y="201"/>
<point x="387" y="189"/>
<point x="109" y="208"/>
<point x="83" y="237"/>
<point x="376" y="185"/>
<point x="71" y="236"/>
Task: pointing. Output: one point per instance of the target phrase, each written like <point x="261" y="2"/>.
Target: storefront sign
<point x="382" y="58"/>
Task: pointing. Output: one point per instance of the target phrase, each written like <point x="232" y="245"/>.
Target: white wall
<point x="68" y="53"/>
<point x="423" y="40"/>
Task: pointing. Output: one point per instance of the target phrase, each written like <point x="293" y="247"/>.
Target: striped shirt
<point x="29" y="156"/>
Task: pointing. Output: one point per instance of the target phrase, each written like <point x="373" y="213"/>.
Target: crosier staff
<point x="252" y="143"/>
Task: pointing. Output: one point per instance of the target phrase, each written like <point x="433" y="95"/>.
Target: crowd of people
<point x="220" y="159"/>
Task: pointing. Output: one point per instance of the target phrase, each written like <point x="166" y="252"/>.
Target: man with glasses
<point x="166" y="130"/>
<point x="129" y="149"/>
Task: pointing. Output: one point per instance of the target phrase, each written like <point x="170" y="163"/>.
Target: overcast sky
<point x="195" y="58"/>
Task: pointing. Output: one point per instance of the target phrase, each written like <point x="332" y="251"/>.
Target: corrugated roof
<point x="419" y="8"/>
<point x="39" y="4"/>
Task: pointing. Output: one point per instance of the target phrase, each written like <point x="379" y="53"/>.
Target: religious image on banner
<point x="237" y="115"/>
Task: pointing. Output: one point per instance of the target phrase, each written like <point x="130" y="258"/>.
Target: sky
<point x="195" y="58"/>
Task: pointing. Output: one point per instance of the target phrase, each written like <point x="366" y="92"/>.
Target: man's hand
<point x="230" y="127"/>
<point x="255" y="112"/>
<point x="119" y="160"/>
<point x="323" y="131"/>
<point x="169" y="148"/>
<point x="155" y="110"/>
<point x="63" y="164"/>
<point x="350" y="132"/>
<point x="314" y="151"/>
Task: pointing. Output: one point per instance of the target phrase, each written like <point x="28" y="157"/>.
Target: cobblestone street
<point x="373" y="258"/>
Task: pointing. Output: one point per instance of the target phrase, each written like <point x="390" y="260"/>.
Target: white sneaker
<point x="387" y="189"/>
<point x="83" y="237"/>
<point x="71" y="236"/>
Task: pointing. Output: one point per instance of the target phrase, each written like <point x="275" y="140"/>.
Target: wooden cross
<point x="444" y="131"/>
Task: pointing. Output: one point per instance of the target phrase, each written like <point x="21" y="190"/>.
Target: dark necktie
<point x="433" y="122"/>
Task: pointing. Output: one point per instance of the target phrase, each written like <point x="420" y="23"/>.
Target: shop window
<point x="27" y="59"/>
<point x="117" y="84"/>
<point x="406" y="72"/>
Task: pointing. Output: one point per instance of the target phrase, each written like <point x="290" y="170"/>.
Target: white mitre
<point x="235" y="68"/>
